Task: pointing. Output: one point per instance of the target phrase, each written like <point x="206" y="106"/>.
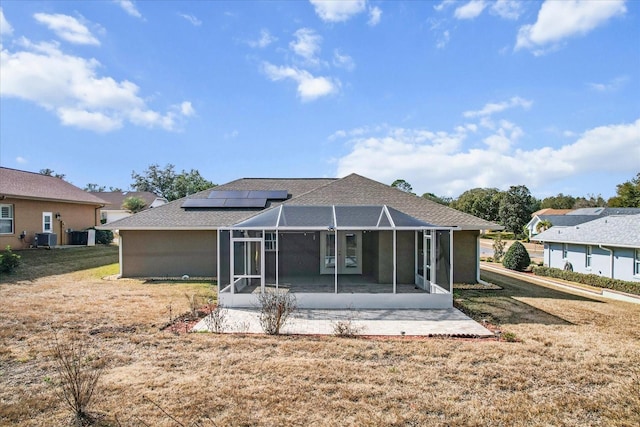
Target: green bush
<point x="9" y="261"/>
<point x="589" y="279"/>
<point x="517" y="257"/>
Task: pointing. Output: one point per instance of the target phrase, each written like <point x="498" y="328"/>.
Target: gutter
<point x="611" y="259"/>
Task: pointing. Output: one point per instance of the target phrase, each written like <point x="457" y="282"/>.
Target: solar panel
<point x="228" y="194"/>
<point x="249" y="194"/>
<point x="268" y="194"/>
<point x="203" y="203"/>
<point x="245" y="203"/>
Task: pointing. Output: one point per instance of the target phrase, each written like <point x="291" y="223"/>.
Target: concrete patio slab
<point x="450" y="322"/>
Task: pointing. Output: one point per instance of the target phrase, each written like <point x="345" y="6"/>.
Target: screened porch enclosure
<point x="337" y="257"/>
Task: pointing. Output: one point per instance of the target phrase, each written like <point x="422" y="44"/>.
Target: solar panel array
<point x="236" y="199"/>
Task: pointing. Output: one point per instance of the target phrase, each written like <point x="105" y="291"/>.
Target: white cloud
<point x="471" y="10"/>
<point x="443" y="40"/>
<point x="67" y="28"/>
<point x="192" y="19"/>
<point x="507" y="9"/>
<point x="186" y="109"/>
<point x="21" y="160"/>
<point x="309" y="87"/>
<point x="437" y="161"/>
<point x="445" y="3"/>
<point x="338" y="10"/>
<point x="265" y="40"/>
<point x="558" y="20"/>
<point x="341" y="60"/>
<point x="5" y="26"/>
<point x="129" y="7"/>
<point x="93" y="120"/>
<point x="307" y="44"/>
<point x="70" y="87"/>
<point x="611" y="86"/>
<point x="375" y="15"/>
<point x="492" y="108"/>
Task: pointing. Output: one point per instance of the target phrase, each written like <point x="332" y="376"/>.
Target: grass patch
<point x="575" y="362"/>
<point x="40" y="262"/>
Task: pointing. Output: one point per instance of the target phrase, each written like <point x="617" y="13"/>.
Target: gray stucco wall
<point x="465" y="256"/>
<point x="168" y="253"/>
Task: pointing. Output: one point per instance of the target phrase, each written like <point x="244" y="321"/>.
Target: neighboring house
<point x="113" y="211"/>
<point x="567" y="218"/>
<point x="32" y="204"/>
<point x="333" y="242"/>
<point x="607" y="246"/>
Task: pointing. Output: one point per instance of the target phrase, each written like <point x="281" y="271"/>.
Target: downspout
<point x="611" y="259"/>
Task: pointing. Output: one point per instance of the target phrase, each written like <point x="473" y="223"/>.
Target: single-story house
<point x="113" y="211"/>
<point x="35" y="205"/>
<point x="607" y="246"/>
<point x="341" y="242"/>
<point x="568" y="218"/>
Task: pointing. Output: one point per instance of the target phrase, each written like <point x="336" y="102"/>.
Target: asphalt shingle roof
<point x="358" y="190"/>
<point x="352" y="190"/>
<point x="173" y="217"/>
<point x="612" y="230"/>
<point x="116" y="198"/>
<point x="29" y="185"/>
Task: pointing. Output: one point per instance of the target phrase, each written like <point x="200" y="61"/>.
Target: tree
<point x="50" y="172"/>
<point x="543" y="225"/>
<point x="166" y="183"/>
<point x="517" y="258"/>
<point x="516" y="207"/>
<point x="94" y="188"/>
<point x="402" y="185"/>
<point x="558" y="202"/>
<point x="190" y="182"/>
<point x="592" y="202"/>
<point x="442" y="200"/>
<point x="627" y="194"/>
<point x="134" y="204"/>
<point x="481" y="202"/>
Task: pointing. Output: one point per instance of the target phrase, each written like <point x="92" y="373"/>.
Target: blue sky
<point x="448" y="95"/>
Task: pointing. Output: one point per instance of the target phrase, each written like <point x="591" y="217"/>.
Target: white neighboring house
<point x="113" y="211"/>
<point x="608" y="246"/>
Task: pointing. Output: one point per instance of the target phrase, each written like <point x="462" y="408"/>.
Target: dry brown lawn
<point x="577" y="362"/>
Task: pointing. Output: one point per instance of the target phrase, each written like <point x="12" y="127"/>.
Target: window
<point x="270" y="241"/>
<point x="588" y="259"/>
<point x="565" y="251"/>
<point x="6" y="219"/>
<point x="636" y="264"/>
<point x="47" y="222"/>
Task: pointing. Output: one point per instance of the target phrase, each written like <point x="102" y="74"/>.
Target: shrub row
<point x="589" y="279"/>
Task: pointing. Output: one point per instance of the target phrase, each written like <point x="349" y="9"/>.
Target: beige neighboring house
<point x="32" y="204"/>
<point x="114" y="211"/>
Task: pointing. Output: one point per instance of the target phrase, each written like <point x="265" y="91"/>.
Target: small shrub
<point x="517" y="257"/>
<point x="216" y="320"/>
<point x="9" y="261"/>
<point x="78" y="373"/>
<point x="275" y="309"/>
<point x="509" y="337"/>
<point x="346" y="328"/>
